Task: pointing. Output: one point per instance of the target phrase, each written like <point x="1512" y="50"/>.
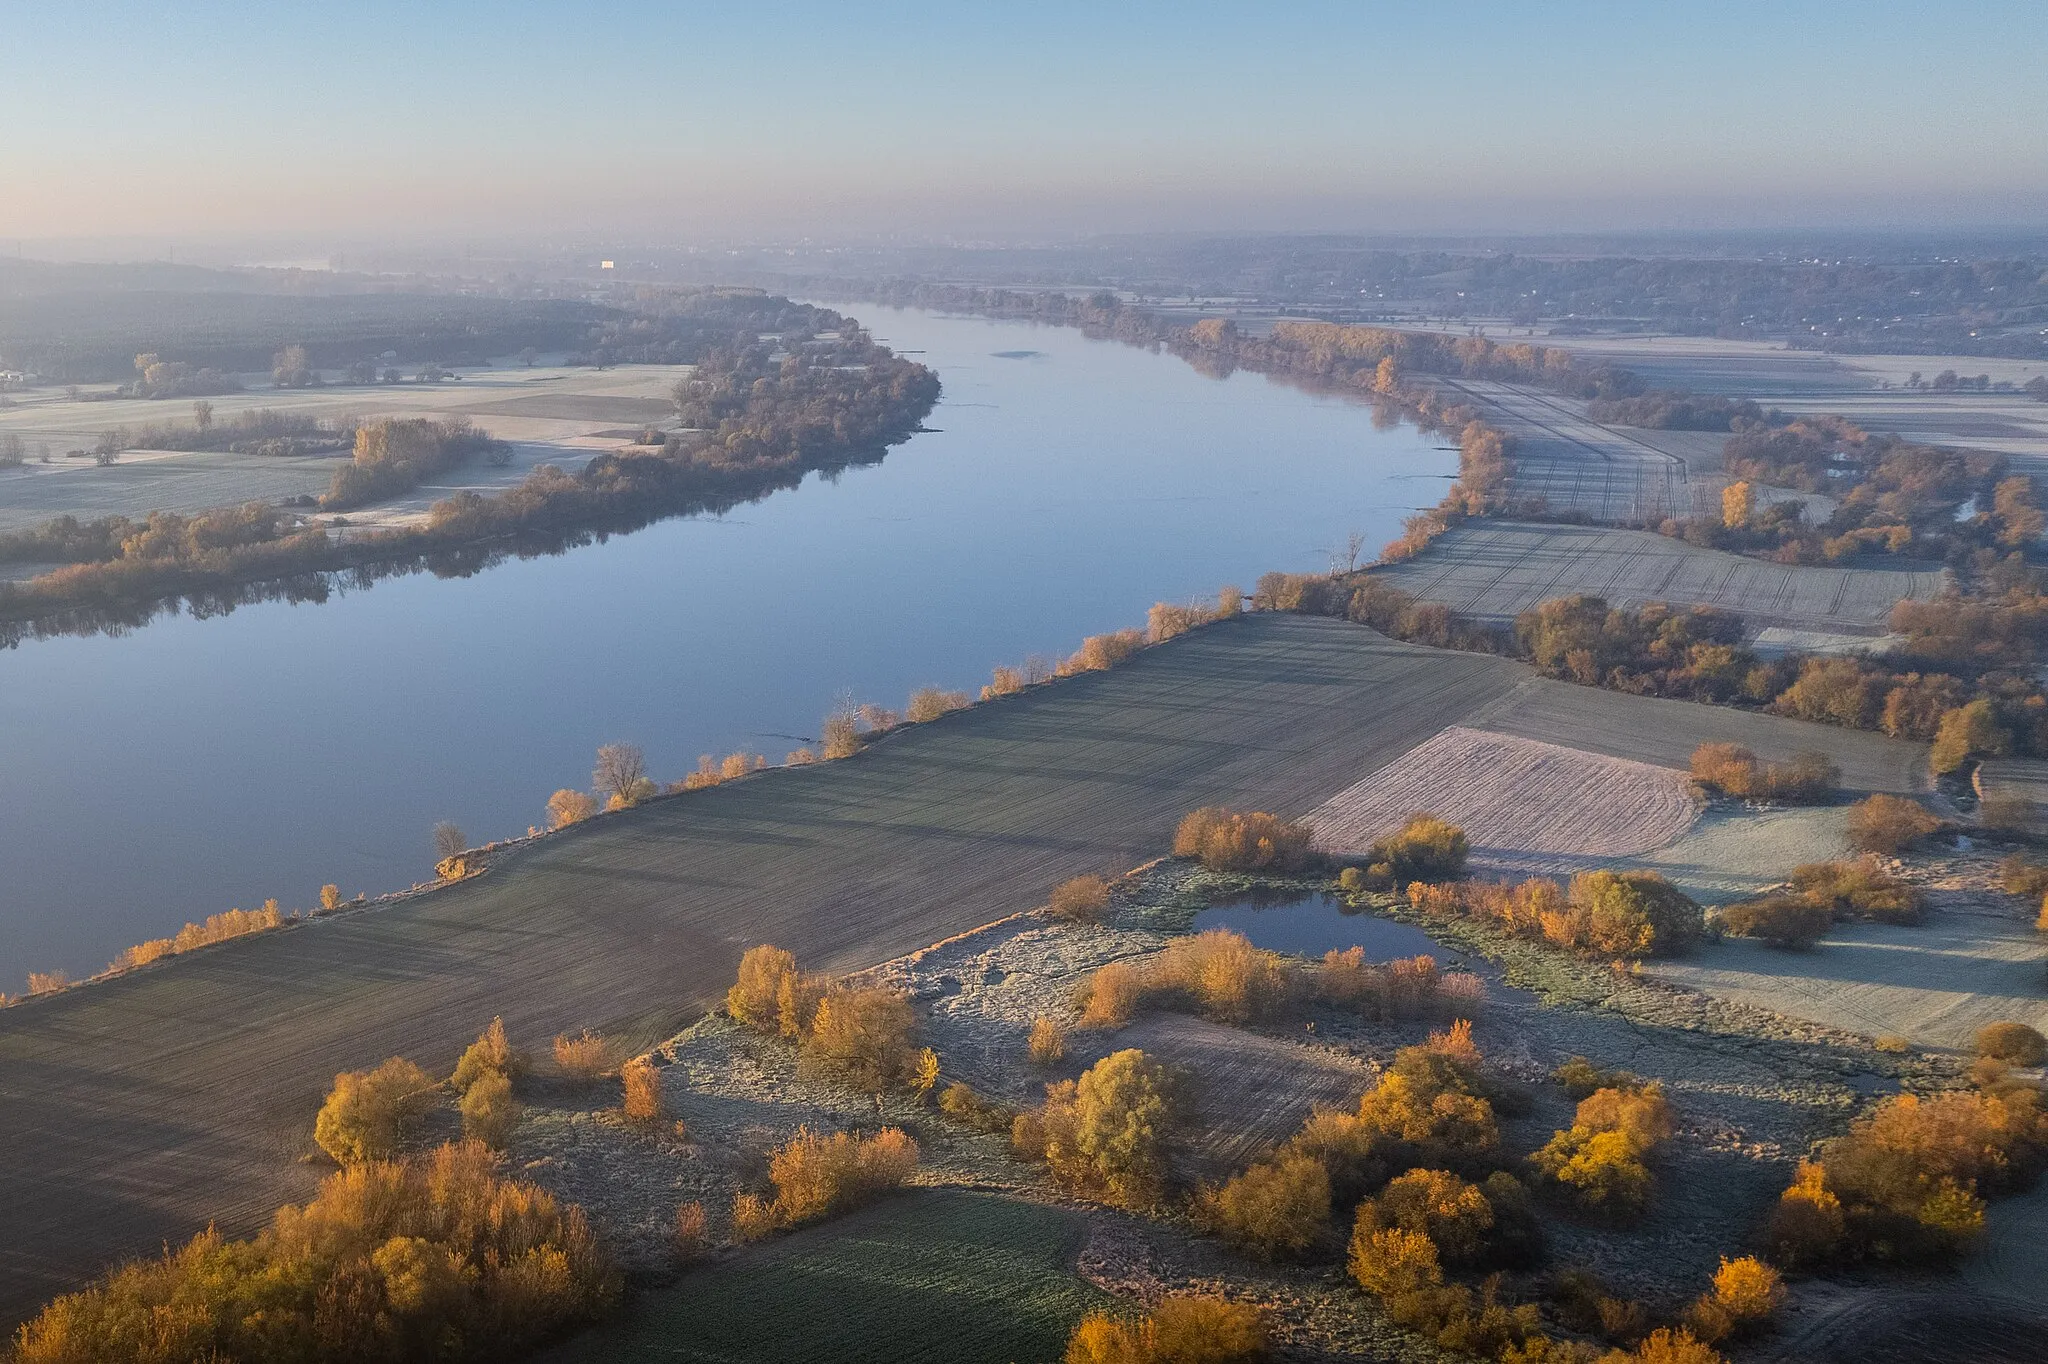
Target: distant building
<point x="605" y="265"/>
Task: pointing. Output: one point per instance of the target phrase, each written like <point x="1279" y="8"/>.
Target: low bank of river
<point x="1065" y="486"/>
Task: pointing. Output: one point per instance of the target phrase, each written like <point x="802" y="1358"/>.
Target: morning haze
<point x="1119" y="685"/>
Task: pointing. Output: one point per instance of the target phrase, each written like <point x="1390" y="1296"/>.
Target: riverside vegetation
<point x="762" y="413"/>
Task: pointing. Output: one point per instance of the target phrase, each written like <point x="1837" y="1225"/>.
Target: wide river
<point x="1068" y="484"/>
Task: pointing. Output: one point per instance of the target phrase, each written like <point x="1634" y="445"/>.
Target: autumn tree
<point x="620" y="776"/>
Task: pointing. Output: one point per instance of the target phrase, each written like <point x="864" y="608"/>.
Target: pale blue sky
<point x="694" y="120"/>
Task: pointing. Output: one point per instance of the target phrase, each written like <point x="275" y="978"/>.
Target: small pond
<point x="1312" y="926"/>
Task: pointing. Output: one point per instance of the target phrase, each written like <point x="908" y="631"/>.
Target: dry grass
<point x="1526" y="808"/>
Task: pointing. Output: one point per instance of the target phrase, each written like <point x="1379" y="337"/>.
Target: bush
<point x="1218" y="973"/>
<point x="567" y="807"/>
<point x="489" y="1112"/>
<point x="1105" y="1134"/>
<point x="1581" y="1078"/>
<point x="1788" y="921"/>
<point x="436" y="1258"/>
<point x="863" y="1036"/>
<point x="753" y="1217"/>
<point x="2014" y="1043"/>
<point x="688" y="1242"/>
<point x="1181" y="1330"/>
<point x="1859" y="889"/>
<point x="840" y="737"/>
<point x="1908" y="1182"/>
<point x="1099" y="653"/>
<point x="1600" y="1158"/>
<point x="642" y="1102"/>
<point x="817" y="1176"/>
<point x="1891" y="1044"/>
<point x="586" y="1057"/>
<point x="1426" y="849"/>
<point x="929" y="703"/>
<point x="2023" y="876"/>
<point x="1276" y="1208"/>
<point x="1667" y="1346"/>
<point x="1887" y="824"/>
<point x="367" y="1113"/>
<point x="1231" y="840"/>
<point x="1747" y="1294"/>
<point x="1397" y="989"/>
<point x="490" y="1054"/>
<point x="1048" y="1042"/>
<point x="1732" y="770"/>
<point x="1080" y="900"/>
<point x="1635" y="914"/>
<point x="959" y="1102"/>
<point x="754" y="996"/>
<point x="1453" y="1214"/>
<point x="1430" y="1109"/>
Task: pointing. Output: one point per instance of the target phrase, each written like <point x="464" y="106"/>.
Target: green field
<point x="946" y="1277"/>
<point x="140" y="1109"/>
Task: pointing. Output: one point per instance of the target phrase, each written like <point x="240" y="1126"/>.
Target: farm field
<point x="950" y="1277"/>
<point x="1732" y="852"/>
<point x="1528" y="808"/>
<point x="549" y="415"/>
<point x="148" y="1105"/>
<point x="1972" y="962"/>
<point x="1493" y="570"/>
<point x="1609" y="473"/>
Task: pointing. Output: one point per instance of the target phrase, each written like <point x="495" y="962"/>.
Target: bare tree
<point x="449" y="841"/>
<point x="620" y="770"/>
<point x="12" y="451"/>
<point x="1345" y="558"/>
<point x="202" y="415"/>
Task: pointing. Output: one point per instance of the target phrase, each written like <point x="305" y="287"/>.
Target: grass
<point x="185" y="1093"/>
<point x="950" y="1277"/>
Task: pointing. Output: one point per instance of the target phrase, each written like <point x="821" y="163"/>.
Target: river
<point x="1066" y="485"/>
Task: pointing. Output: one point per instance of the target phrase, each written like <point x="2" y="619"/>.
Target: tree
<point x="527" y="357"/>
<point x="368" y="1112"/>
<point x="291" y="368"/>
<point x="1738" y="504"/>
<point x="202" y="415"/>
<point x="449" y="841"/>
<point x="1967" y="732"/>
<point x="620" y="773"/>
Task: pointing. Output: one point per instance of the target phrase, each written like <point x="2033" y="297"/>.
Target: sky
<point x="678" y="121"/>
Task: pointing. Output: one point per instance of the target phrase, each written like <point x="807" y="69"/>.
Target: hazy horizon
<point x="635" y="121"/>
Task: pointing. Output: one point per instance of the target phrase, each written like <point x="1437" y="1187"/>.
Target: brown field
<point x="1493" y="570"/>
<point x="1528" y="808"/>
<point x="139" y="1109"/>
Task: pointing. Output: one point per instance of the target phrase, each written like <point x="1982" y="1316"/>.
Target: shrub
<point x="1106" y="1133"/>
<point x="688" y="1242"/>
<point x="840" y="737"/>
<point x="490" y="1054"/>
<point x="435" y="1258"/>
<point x="1227" y="978"/>
<point x="1425" y="849"/>
<point x="797" y="997"/>
<point x="754" y="994"/>
<point x="1453" y="1214"/>
<point x="642" y="1102"/>
<point x="817" y="1176"/>
<point x="1581" y="1078"/>
<point x="1733" y="770"/>
<point x="1429" y="1109"/>
<point x="1788" y="921"/>
<point x="1274" y="1209"/>
<point x="2023" y="876"/>
<point x="863" y="1036"/>
<point x="1080" y="899"/>
<point x="929" y="703"/>
<point x="1887" y="824"/>
<point x="1181" y="1330"/>
<point x="1635" y="914"/>
<point x="1048" y="1042"/>
<point x="1667" y="1346"/>
<point x="1230" y="840"/>
<point x="1908" y="1182"/>
<point x="586" y="1057"/>
<point x="567" y="807"/>
<point x="1859" y="889"/>
<point x="330" y="898"/>
<point x="1891" y="1044"/>
<point x="2014" y="1043"/>
<point x="1600" y="1158"/>
<point x="1352" y="881"/>
<point x="1099" y="653"/>
<point x="1113" y="995"/>
<point x="753" y="1217"/>
<point x="367" y="1113"/>
<point x="1746" y="1295"/>
<point x="489" y="1112"/>
<point x="959" y="1102"/>
<point x="1390" y="1261"/>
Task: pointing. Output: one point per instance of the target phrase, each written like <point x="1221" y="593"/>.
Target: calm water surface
<point x="198" y="764"/>
<point x="1319" y="923"/>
